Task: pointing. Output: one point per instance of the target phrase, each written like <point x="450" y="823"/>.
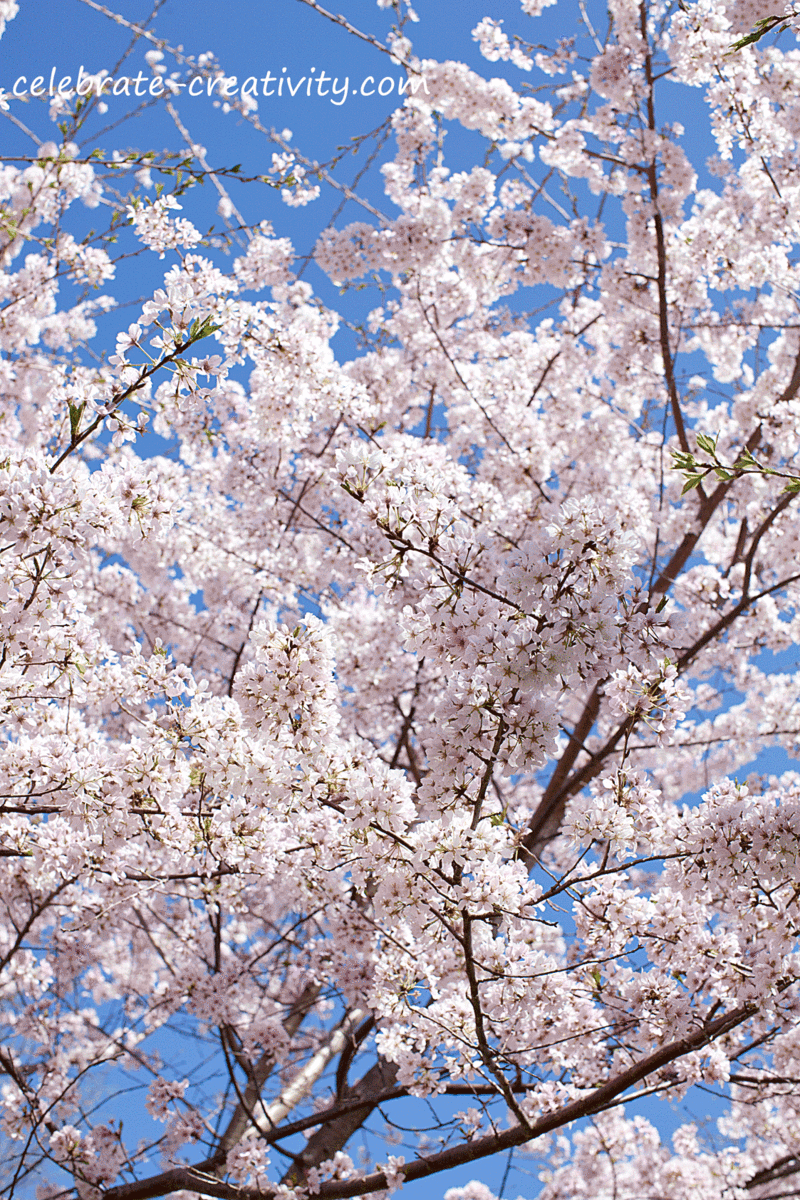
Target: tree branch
<point x="194" y="1178"/>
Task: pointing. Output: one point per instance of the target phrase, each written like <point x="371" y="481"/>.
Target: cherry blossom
<point x="384" y="729"/>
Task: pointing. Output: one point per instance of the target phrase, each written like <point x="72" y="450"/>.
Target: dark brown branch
<point x="195" y="1179"/>
<point x="661" y="255"/>
<point x="548" y="816"/>
<point x="782" y="1169"/>
<point x="546" y="825"/>
<point x="335" y="1133"/>
<point x="722" y="624"/>
<point x="243" y="1117"/>
<point x="117" y="400"/>
<point x="348" y="1054"/>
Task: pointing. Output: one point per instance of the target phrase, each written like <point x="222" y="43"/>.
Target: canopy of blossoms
<point x="379" y="735"/>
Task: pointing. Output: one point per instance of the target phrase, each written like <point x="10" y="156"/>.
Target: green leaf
<point x="75" y="414"/>
<point x="201" y="329"/>
<point x="792" y="486"/>
<point x="707" y="443"/>
<point x="207" y="328"/>
<point x="746" y="41"/>
<point x="762" y="27"/>
<point x="692" y="482"/>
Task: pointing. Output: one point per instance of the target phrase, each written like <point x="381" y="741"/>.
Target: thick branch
<point x="194" y="1179"/>
<point x="547" y="819"/>
<point x="335" y="1134"/>
<point x="243" y="1115"/>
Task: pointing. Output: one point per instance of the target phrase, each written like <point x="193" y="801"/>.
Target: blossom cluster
<point x="387" y="729"/>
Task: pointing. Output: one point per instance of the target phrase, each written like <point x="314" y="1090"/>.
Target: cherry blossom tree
<point x="381" y="737"/>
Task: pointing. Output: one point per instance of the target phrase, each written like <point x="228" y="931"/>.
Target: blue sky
<point x="55" y="39"/>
